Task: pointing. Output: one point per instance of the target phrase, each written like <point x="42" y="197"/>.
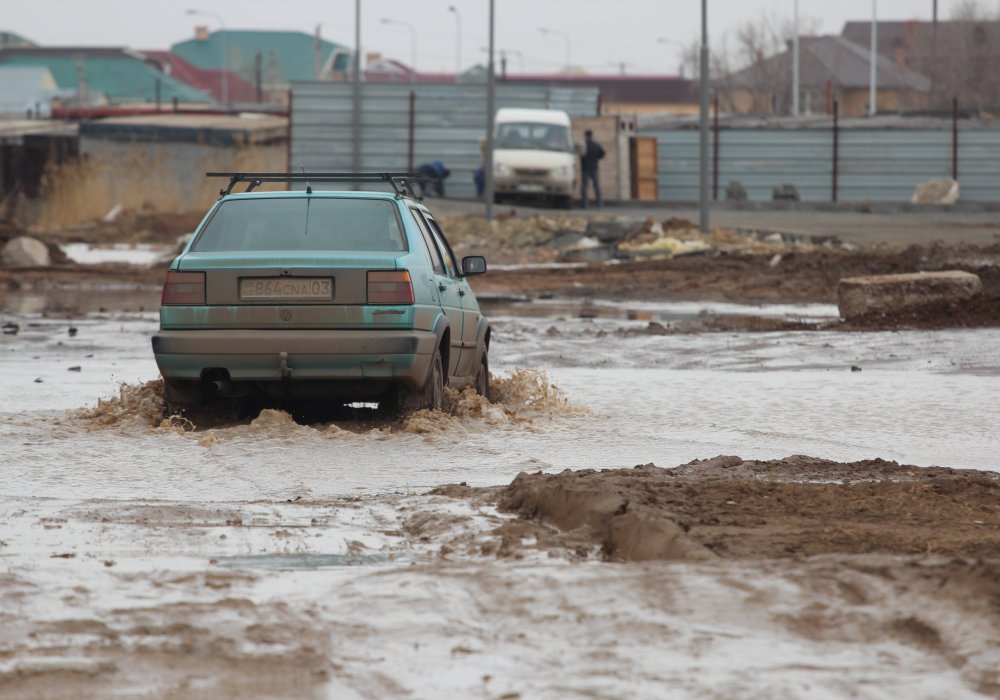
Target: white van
<point x="534" y="156"/>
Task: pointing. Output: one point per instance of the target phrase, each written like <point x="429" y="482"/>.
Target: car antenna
<point x="309" y="189"/>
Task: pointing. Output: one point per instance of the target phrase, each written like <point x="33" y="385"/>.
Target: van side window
<point x="449" y="254"/>
<point x="432" y="248"/>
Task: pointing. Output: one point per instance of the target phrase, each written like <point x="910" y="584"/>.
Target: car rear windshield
<point x="302" y="223"/>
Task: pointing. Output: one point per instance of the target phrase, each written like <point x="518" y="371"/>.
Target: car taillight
<point x="389" y="287"/>
<point x="186" y="288"/>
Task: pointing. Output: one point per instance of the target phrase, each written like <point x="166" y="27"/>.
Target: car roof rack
<point x="401" y="182"/>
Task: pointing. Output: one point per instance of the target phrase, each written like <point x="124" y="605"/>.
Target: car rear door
<point x="470" y="307"/>
<point x="442" y="283"/>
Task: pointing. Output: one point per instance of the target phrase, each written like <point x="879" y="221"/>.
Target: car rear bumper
<point x="256" y="355"/>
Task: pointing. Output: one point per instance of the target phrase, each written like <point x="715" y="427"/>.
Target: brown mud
<point x="727" y="507"/>
<point x="517" y="397"/>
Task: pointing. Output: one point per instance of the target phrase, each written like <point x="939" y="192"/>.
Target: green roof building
<point x="98" y="75"/>
<point x="10" y="39"/>
<point x="285" y="56"/>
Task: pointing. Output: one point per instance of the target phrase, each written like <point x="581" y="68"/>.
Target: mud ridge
<point x="734" y="508"/>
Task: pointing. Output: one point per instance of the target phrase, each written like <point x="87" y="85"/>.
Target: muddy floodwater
<point x="262" y="556"/>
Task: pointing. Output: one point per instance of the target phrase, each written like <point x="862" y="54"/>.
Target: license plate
<point x="286" y="288"/>
<point x="531" y="188"/>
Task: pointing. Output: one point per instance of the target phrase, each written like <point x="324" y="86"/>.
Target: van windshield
<point x="534" y="136"/>
<point x="302" y="223"/>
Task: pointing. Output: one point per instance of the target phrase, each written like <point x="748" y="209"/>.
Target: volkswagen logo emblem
<point x="286" y="314"/>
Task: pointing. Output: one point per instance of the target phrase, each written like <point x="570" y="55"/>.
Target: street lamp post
<point x="873" y="78"/>
<point x="795" y="63"/>
<point x="413" y="40"/>
<point x="703" y="123"/>
<point x="546" y="31"/>
<point x="225" y="51"/>
<point x="490" y="122"/>
<point x="356" y="93"/>
<point x="683" y="48"/>
<point x="458" y="40"/>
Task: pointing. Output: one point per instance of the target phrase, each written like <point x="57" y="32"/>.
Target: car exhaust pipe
<point x="226" y="389"/>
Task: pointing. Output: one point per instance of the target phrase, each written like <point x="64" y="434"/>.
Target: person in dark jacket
<point x="436" y="174"/>
<point x="592" y="153"/>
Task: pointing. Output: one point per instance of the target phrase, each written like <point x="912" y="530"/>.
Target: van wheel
<point x="430" y="396"/>
<point x="483" y="378"/>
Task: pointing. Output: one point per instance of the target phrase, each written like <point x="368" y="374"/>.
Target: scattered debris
<point x="785" y="193"/>
<point x="937" y="191"/>
<point x="736" y="192"/>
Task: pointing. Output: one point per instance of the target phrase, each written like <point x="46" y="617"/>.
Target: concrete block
<point x="888" y="294"/>
<point x="24" y="251"/>
<point x="943" y="191"/>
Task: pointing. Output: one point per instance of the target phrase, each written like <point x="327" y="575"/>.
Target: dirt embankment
<point x="796" y="277"/>
<point x="728" y="507"/>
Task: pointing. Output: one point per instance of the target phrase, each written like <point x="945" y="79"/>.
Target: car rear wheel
<point x="483" y="378"/>
<point x="183" y="393"/>
<point x="430" y="396"/>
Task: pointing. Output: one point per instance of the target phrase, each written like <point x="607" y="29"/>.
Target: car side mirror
<point x="473" y="265"/>
<point x="579" y="148"/>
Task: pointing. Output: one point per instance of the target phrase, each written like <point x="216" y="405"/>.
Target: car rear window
<point x="302" y="223"/>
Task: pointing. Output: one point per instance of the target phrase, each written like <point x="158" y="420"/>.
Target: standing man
<point x="592" y="153"/>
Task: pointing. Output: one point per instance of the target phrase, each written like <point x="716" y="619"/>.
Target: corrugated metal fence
<point x="449" y="122"/>
<point x="876" y="165"/>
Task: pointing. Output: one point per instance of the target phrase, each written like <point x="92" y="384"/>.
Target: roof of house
<point x="926" y="48"/>
<point x="21" y="88"/>
<point x="294" y="52"/>
<point x="12" y="39"/>
<point x="836" y="59"/>
<point x="214" y="82"/>
<point x="216" y="129"/>
<point x="912" y="34"/>
<point x="120" y="74"/>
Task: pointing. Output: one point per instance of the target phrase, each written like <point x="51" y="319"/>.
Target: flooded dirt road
<point x="262" y="557"/>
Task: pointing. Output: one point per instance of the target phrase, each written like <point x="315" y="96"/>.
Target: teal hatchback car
<point x="341" y="296"/>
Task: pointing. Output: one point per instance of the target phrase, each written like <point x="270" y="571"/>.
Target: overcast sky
<point x="602" y="33"/>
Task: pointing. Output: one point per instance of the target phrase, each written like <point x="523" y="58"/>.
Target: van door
<point x="444" y="287"/>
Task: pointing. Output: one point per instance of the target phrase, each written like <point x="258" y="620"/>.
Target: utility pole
<point x="795" y="64"/>
<point x="490" y="122"/>
<point x="873" y="87"/>
<point x="317" y="54"/>
<point x="356" y="94"/>
<point x="703" y="130"/>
